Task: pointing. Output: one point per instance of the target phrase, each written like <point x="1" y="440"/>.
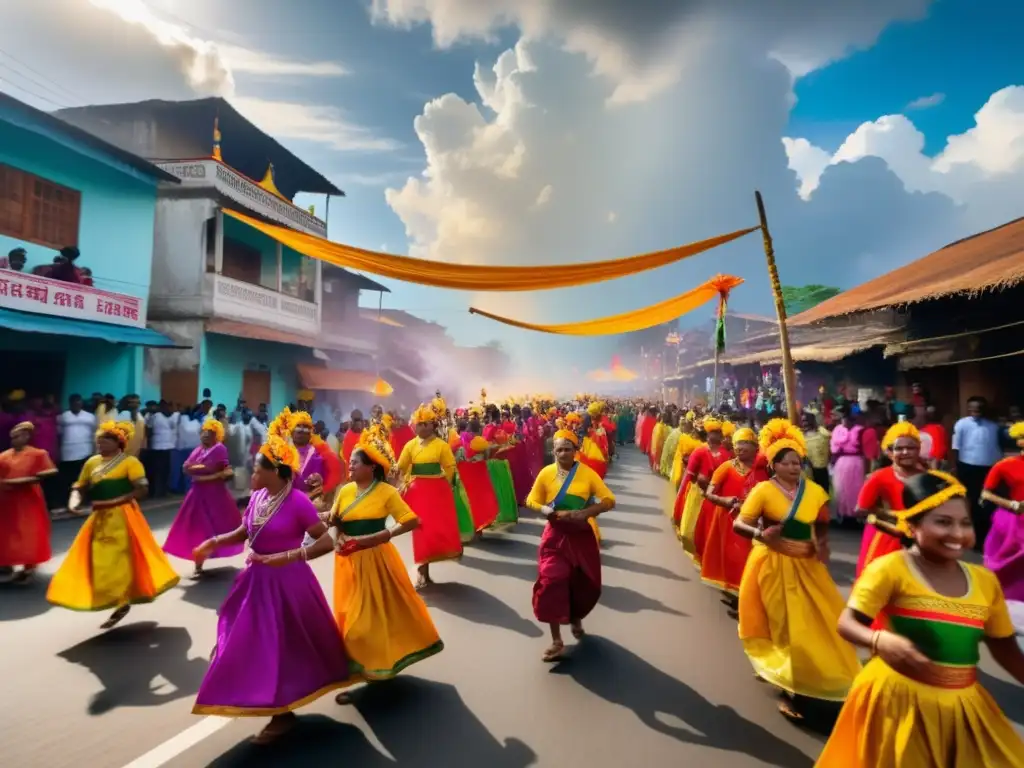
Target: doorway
<point x="256" y="389"/>
<point x="179" y="388"/>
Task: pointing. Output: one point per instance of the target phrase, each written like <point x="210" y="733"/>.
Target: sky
<point x="546" y="131"/>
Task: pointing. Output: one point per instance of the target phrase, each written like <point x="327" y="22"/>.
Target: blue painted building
<point x="61" y="186"/>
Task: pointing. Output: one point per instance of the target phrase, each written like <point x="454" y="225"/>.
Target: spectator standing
<point x="187" y="440"/>
<point x="163" y="429"/>
<point x="77" y="428"/>
<point x="976" y="449"/>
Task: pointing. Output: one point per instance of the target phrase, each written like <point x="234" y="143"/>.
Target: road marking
<point x="183" y="742"/>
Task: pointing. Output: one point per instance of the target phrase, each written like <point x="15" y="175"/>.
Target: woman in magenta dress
<point x="278" y="647"/>
<point x="209" y="508"/>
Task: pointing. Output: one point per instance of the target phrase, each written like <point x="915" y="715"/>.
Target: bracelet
<point x="391" y="534"/>
<point x="304" y="554"/>
<point x="875" y="637"/>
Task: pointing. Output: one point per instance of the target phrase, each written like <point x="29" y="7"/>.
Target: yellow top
<point x="433" y="450"/>
<point x="818" y="447"/>
<point x="586" y="484"/>
<point x="769" y="502"/>
<point x="382" y="502"/>
<point x="128" y="468"/>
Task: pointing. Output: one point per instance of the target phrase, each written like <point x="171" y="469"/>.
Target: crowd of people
<point x="64" y="266"/>
<point x="754" y="506"/>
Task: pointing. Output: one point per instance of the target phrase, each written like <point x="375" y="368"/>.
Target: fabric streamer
<point x="636" y="320"/>
<point x="474" y="277"/>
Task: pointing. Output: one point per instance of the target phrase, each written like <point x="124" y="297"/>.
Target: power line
<point x="30" y="92"/>
<point x="38" y="84"/>
<point x="67" y="91"/>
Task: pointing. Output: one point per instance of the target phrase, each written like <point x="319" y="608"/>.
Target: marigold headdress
<point x="898" y="430"/>
<point x="1017" y="433"/>
<point x="744" y="435"/>
<point x="711" y="424"/>
<point x="423" y="415"/>
<point x="952" y="489"/>
<point x="779" y="434"/>
<point x="439" y="406"/>
<point x="479" y="444"/>
<point x="281" y="453"/>
<point x="214" y="425"/>
<point x="728" y="429"/>
<point x="281" y="426"/>
<point x="573" y="419"/>
<point x="565" y="434"/>
<point x="595" y="409"/>
<point x="687" y="444"/>
<point x="374" y="443"/>
<point x="122" y="431"/>
<point x="302" y="420"/>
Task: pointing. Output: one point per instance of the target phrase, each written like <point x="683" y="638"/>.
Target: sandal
<point x="23" y="577"/>
<point x="578" y="632"/>
<point x="116" y="617"/>
<point x="275" y="729"/>
<point x="788" y="712"/>
<point x="554" y="652"/>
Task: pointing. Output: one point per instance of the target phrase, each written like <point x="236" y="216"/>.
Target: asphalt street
<point x="660" y="680"/>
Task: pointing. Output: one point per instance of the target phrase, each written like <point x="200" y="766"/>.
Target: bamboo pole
<point x="788" y="372"/>
<point x="713" y="405"/>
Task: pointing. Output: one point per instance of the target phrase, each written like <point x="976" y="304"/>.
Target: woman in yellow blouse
<point x="428" y="468"/>
<point x="114" y="561"/>
<point x="918" y="701"/>
<point x="570" y="495"/>
<point x="788" y="603"/>
<point x="384" y="623"/>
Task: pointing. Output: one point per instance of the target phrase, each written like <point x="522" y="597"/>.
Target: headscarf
<point x="566" y="434"/>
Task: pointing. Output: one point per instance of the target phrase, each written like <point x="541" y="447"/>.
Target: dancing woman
<point x="569" y="494"/>
<point x="1004" y="545"/>
<point x="209" y="508"/>
<point x="788" y="603"/>
<point x="114" y="561"/>
<point x="918" y="701"/>
<point x="24" y="518"/>
<point x="277" y="644"/>
<point x="383" y="622"/>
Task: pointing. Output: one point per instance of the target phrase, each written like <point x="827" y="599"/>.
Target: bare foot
<point x="554" y="652"/>
<point x="279" y="725"/>
<point x="577" y="631"/>
<point x="116" y="617"/>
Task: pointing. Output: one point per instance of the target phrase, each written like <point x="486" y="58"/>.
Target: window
<point x="37" y="210"/>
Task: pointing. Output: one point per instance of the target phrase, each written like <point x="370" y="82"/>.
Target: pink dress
<point x="208" y="509"/>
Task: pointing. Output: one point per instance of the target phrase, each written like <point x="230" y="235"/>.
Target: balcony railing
<point x="244" y="191"/>
<point x="253" y="303"/>
<point x="43" y="295"/>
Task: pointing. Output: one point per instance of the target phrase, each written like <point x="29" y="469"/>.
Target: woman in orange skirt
<point x="725" y="552"/>
<point x="24" y="518"/>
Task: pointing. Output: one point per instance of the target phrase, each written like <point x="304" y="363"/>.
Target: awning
<point x="253" y="331"/>
<point x="335" y="380"/>
<point x="29" y="322"/>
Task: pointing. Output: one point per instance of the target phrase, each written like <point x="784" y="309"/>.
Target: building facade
<point x="82" y="328"/>
<point x="260" y="316"/>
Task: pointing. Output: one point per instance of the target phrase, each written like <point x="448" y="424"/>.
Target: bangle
<point x="391" y="534"/>
<point x="875" y="637"/>
<point x="304" y="554"/>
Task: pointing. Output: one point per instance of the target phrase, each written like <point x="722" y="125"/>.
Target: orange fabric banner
<point x="636" y="320"/>
<point x="474" y="277"/>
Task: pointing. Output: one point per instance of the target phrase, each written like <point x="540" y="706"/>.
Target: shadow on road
<point x="421" y="723"/>
<point x="476" y="605"/>
<point x="210" y="590"/>
<point x="1006" y="694"/>
<point x="619" y="676"/>
<point x="127" y="659"/>
<point x="844" y="571"/>
<point x="25" y="600"/>
<point x="609" y="520"/>
<point x="623" y="564"/>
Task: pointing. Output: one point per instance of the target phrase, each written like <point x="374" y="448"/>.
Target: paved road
<point x="661" y="679"/>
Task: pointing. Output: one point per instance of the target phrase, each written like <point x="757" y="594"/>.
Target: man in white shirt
<point x="186" y="441"/>
<point x="163" y="439"/>
<point x="77" y="429"/>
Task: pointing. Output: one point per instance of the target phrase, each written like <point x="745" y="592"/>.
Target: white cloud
<point x="927" y="102"/>
<point x="982" y="169"/>
<point x="263" y="64"/>
<point x="323" y="125"/>
<point x="645" y="46"/>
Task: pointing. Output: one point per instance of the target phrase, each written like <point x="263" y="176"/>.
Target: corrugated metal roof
<point x="987" y="261"/>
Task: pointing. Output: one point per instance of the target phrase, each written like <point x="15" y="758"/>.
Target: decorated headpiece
<point x="1017" y="433"/>
<point x="573" y="419"/>
<point x="374" y="443"/>
<point x="479" y="444"/>
<point x="687" y="444"/>
<point x="898" y="430"/>
<point x="424" y="414"/>
<point x="122" y="431"/>
<point x="214" y="425"/>
<point x="779" y="434"/>
<point x="744" y="435"/>
<point x="281" y="426"/>
<point x="24" y="426"/>
<point x="281" y="453"/>
<point x="565" y="434"/>
<point x="595" y="409"/>
<point x="711" y="424"/>
<point x="925" y="492"/>
<point x="728" y="428"/>
<point x="439" y="406"/>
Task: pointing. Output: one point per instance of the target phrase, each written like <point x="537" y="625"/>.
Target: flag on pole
<point x="216" y="140"/>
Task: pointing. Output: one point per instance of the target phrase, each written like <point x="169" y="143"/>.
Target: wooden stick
<point x="788" y="372"/>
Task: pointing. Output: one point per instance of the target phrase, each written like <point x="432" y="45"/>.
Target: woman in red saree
<point x="24" y="519"/>
<point x="569" y="495"/>
<point x="725" y="552"/>
<point x="707" y="508"/>
<point x="645" y="429"/>
<point x="702" y="465"/>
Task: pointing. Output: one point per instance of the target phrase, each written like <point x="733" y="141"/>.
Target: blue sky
<point x="591" y="130"/>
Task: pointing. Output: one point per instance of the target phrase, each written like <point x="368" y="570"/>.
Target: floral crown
<point x="687" y="444"/>
<point x="711" y="424"/>
<point x="779" y="434"/>
<point x="565" y="434"/>
<point x="728" y="429"/>
<point x="573" y="419"/>
<point x="744" y="435"/>
<point x="374" y="443"/>
<point x="1017" y="433"/>
<point x="898" y="430"/>
<point x="214" y="425"/>
<point x="122" y="431"/>
<point x="281" y="453"/>
<point x="952" y="489"/>
<point x="423" y="415"/>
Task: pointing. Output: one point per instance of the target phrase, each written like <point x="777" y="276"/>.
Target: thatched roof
<point x="988" y="261"/>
